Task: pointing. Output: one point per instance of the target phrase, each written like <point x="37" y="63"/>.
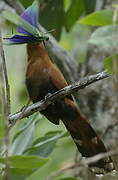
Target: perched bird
<point x="42" y="78"/>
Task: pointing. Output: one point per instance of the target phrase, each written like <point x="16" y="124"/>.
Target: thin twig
<point x="5" y="108"/>
<point x="61" y="171"/>
<point x="76" y="160"/>
<point x="109" y="128"/>
<point x="41" y="105"/>
<point x="7" y="86"/>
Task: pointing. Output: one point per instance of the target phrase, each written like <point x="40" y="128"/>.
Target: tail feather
<point x="85" y="138"/>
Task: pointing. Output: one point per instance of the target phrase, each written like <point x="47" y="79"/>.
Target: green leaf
<point x="98" y="18"/>
<point x="23" y="141"/>
<point x="26" y="123"/>
<point x="111" y="64"/>
<point x="44" y="146"/>
<point x="25" y="162"/>
<point x="103" y="37"/>
<point x="43" y="150"/>
<point x="74" y="12"/>
<point x="18" y="21"/>
<point x="52" y="16"/>
<point x="51" y="137"/>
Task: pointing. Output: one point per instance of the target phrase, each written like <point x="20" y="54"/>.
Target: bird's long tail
<point x="84" y="136"/>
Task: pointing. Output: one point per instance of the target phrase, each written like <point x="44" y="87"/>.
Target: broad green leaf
<point x="89" y="6"/>
<point x="74" y="12"/>
<point x="52" y="16"/>
<point x="26" y="123"/>
<point x="60" y="155"/>
<point x="46" y="136"/>
<point x="23" y="141"/>
<point x="43" y="150"/>
<point x="51" y="138"/>
<point x="103" y="37"/>
<point x="18" y="21"/>
<point x="111" y="64"/>
<point x="44" y="146"/>
<point x="98" y="18"/>
<point x="25" y="162"/>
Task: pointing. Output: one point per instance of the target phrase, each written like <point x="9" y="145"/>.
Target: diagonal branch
<point x="41" y="105"/>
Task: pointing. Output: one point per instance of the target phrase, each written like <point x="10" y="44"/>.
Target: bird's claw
<point x="47" y="96"/>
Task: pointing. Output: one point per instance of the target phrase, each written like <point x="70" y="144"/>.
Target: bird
<point x="43" y="78"/>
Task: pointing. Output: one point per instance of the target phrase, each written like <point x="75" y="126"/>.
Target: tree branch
<point x="7" y="86"/>
<point x="5" y="98"/>
<point x="41" y="105"/>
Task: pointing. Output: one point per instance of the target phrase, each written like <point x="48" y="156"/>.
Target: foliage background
<point x="96" y="102"/>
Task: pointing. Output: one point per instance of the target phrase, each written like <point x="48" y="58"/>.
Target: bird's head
<point x="26" y="26"/>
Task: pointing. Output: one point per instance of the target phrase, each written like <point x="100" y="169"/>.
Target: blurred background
<point x="98" y="102"/>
